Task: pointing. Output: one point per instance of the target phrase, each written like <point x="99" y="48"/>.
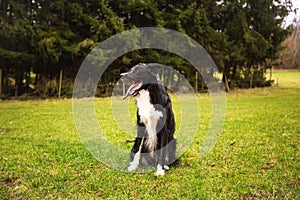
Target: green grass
<point x="256" y="157"/>
<point x="287" y="79"/>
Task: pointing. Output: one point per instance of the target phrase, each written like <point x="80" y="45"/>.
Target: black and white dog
<point x="155" y="144"/>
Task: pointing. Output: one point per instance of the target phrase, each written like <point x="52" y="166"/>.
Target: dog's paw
<point x="132" y="166"/>
<point x="166" y="167"/>
<point x="160" y="171"/>
<point x="135" y="163"/>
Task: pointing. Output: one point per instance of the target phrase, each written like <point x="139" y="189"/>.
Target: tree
<point x="253" y="35"/>
<point x="43" y="38"/>
<point x="16" y="48"/>
<point x="289" y="56"/>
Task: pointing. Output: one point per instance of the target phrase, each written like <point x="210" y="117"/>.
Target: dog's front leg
<point x="161" y="156"/>
<point x="136" y="159"/>
<point x="135" y="154"/>
<point x="133" y="165"/>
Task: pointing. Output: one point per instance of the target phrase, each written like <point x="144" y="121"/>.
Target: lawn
<point x="257" y="155"/>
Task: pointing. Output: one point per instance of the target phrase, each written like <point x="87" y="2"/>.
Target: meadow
<point x="257" y="155"/>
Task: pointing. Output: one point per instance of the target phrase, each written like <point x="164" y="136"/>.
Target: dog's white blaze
<point x="149" y="117"/>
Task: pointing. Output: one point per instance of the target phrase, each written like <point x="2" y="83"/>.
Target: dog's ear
<point x="155" y="68"/>
<point x="157" y="77"/>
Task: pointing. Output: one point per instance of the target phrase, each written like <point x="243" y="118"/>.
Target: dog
<point x="155" y="144"/>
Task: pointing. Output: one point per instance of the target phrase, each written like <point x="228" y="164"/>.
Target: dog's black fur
<point x="164" y="153"/>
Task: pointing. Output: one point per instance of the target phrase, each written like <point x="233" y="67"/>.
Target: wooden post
<point x="226" y="82"/>
<point x="17" y="77"/>
<point x="60" y="83"/>
<point x="123" y="87"/>
<point x="0" y="82"/>
<point x="196" y="82"/>
<point x="251" y="78"/>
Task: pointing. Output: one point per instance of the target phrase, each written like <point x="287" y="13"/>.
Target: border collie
<point x="155" y="144"/>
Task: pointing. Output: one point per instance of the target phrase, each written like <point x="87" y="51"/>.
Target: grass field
<point x="256" y="157"/>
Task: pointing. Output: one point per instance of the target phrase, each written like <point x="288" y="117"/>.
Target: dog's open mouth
<point x="133" y="89"/>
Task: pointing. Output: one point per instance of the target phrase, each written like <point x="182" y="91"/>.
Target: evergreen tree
<point x="45" y="37"/>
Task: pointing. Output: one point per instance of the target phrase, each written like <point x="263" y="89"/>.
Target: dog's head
<point x="142" y="75"/>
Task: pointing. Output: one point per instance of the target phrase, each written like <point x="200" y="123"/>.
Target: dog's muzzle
<point x="133" y="89"/>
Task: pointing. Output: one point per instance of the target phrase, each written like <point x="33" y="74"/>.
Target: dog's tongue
<point x="132" y="89"/>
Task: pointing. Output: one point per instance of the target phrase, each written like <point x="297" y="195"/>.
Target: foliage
<point x="291" y="49"/>
<point x="43" y="37"/>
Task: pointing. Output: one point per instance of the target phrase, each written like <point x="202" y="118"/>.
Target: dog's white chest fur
<point x="149" y="117"/>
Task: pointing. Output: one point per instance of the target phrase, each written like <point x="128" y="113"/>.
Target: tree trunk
<point x="271" y="73"/>
<point x="27" y="81"/>
<point x="36" y="79"/>
<point x="233" y="76"/>
<point x="18" y="83"/>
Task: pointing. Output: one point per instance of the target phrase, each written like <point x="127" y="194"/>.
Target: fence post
<point x="0" y="82"/>
<point x="196" y="82"/>
<point x="123" y="87"/>
<point x="60" y="83"/>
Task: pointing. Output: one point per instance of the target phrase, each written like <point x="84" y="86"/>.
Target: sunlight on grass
<point x="288" y="78"/>
<point x="256" y="157"/>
